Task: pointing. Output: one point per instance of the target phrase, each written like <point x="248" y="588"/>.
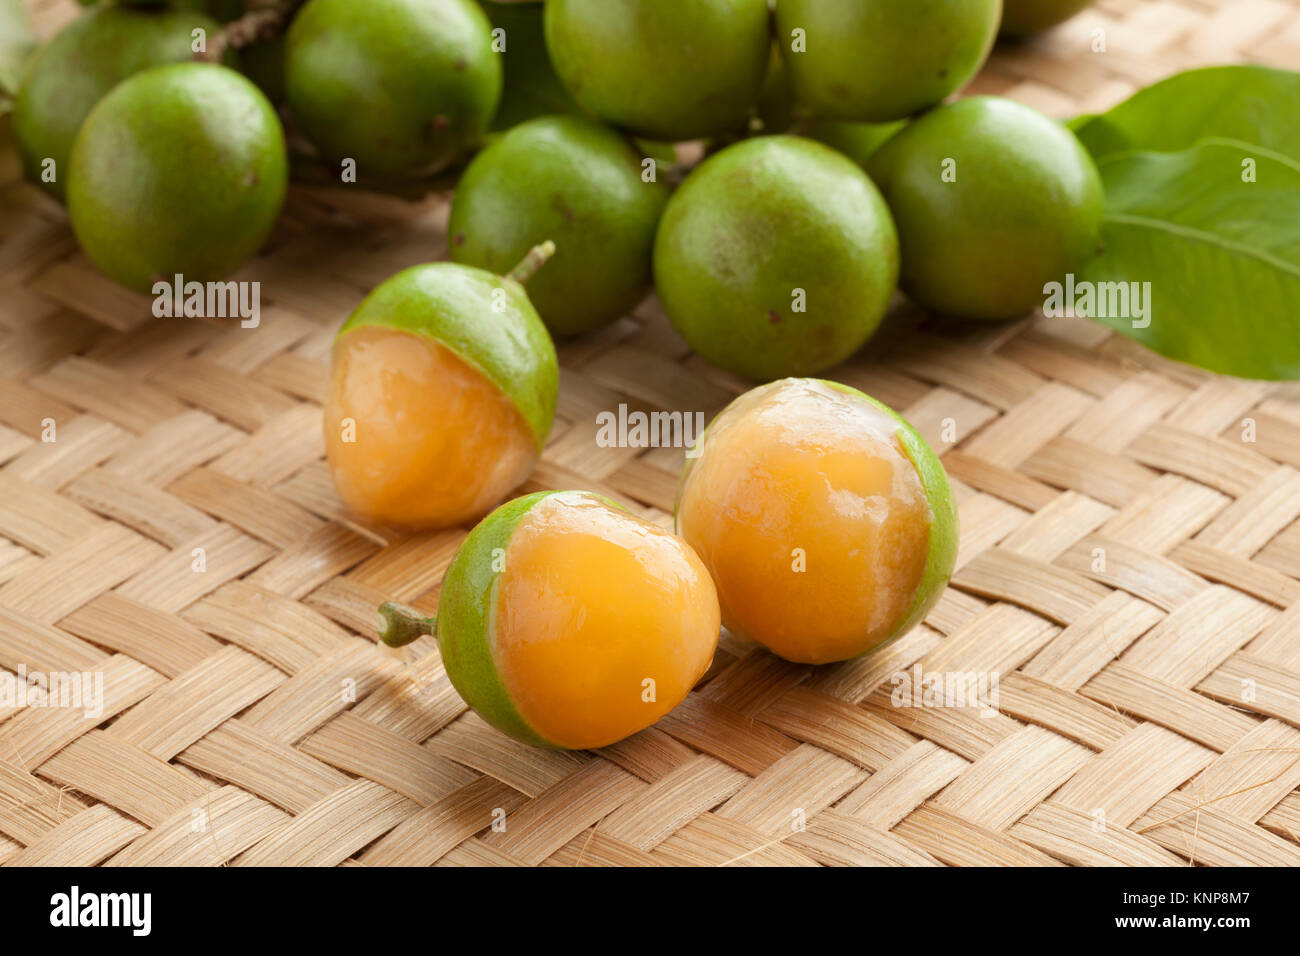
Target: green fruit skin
<point x="454" y="305"/>
<point x="1022" y="18"/>
<point x="531" y="87"/>
<point x="944" y="526"/>
<point x="1025" y="209"/>
<point x="467" y="620"/>
<point x="757" y="221"/>
<point x="402" y="87"/>
<point x="578" y="184"/>
<point x="179" y="169"/>
<point x="883" y="60"/>
<point x="80" y="65"/>
<point x="664" y="69"/>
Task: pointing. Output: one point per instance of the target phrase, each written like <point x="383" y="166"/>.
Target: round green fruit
<point x="560" y="611"/>
<point x="579" y="184"/>
<point x="1022" y="18"/>
<point x="663" y="69"/>
<point x="180" y="169"/>
<point x="83" y="62"/>
<point x="402" y="87"/>
<point x="884" y="59"/>
<point x="992" y="201"/>
<point x="776" y="257"/>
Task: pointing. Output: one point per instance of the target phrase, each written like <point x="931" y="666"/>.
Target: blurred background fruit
<point x="403" y="87"/>
<point x="180" y="169"/>
<point x="883" y="60"/>
<point x="85" y="60"/>
<point x="662" y="69"/>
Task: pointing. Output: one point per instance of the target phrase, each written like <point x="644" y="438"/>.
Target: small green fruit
<point x="664" y="69"/>
<point x="882" y="60"/>
<point x="1022" y="18"/>
<point x="579" y="184"/>
<point x="180" y="169"/>
<point x="402" y="87"/>
<point x="776" y="257"/>
<point x="992" y="201"/>
<point x="83" y="62"/>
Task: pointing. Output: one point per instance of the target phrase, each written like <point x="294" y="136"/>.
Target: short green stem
<point x="535" y="259"/>
<point x="402" y="624"/>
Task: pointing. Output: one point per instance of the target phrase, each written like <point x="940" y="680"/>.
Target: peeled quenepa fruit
<point x="1025" y="17"/>
<point x="992" y="200"/>
<point x="574" y="181"/>
<point x="663" y="69"/>
<point x="442" y="391"/>
<point x="80" y="65"/>
<point x="883" y="59"/>
<point x="565" y="621"/>
<point x="825" y="520"/>
<point x="401" y="87"/>
<point x="180" y="169"/>
<point x="776" y="257"/>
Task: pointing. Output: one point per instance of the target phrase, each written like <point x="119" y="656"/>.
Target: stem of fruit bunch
<point x="402" y="625"/>
<point x="530" y="263"/>
<point x="263" y="20"/>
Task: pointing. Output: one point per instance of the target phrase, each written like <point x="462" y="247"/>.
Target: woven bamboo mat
<point x="1149" y="711"/>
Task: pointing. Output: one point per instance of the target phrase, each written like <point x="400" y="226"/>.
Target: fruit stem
<point x="402" y="624"/>
<point x="535" y="259"/>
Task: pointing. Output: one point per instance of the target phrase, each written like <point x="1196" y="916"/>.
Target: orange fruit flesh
<point x="593" y="604"/>
<point x="811" y="519"/>
<point x="435" y="442"/>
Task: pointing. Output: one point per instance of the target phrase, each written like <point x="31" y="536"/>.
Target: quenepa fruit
<point x="574" y="181"/>
<point x="663" y="69"/>
<point x="885" y="59"/>
<point x="776" y="256"/>
<point x="1026" y="17"/>
<point x="565" y="621"/>
<point x="401" y="87"/>
<point x="824" y="518"/>
<point x="442" y="391"/>
<point x="83" y="62"/>
<point x="180" y="169"/>
<point x="992" y="201"/>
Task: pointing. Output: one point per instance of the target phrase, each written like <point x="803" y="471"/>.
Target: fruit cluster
<point x="834" y="176"/>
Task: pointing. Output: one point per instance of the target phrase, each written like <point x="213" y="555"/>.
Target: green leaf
<point x="1222" y="255"/>
<point x="1254" y="104"/>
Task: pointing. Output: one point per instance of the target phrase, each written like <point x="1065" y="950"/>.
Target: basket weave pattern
<point x="1149" y="702"/>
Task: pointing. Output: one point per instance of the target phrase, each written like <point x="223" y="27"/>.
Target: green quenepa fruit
<point x="402" y="87"/>
<point x="180" y="169"/>
<point x="992" y="200"/>
<point x="579" y="184"/>
<point x="1022" y="18"/>
<point x="884" y="59"/>
<point x="531" y="87"/>
<point x="663" y="69"/>
<point x="776" y="257"/>
<point x="83" y="62"/>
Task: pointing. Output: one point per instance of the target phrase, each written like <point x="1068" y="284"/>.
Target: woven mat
<point x="1149" y="702"/>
